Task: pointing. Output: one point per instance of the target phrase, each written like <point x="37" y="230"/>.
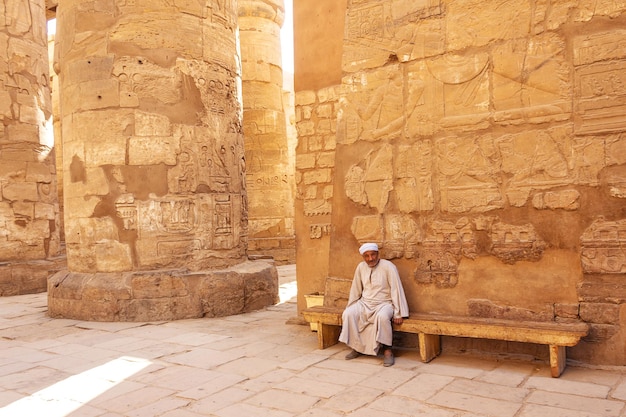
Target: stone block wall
<point x="482" y="146"/>
<point x="316" y="123"/>
<point x="29" y="208"/>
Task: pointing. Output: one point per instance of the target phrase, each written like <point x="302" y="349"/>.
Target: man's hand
<point x="397" y="320"/>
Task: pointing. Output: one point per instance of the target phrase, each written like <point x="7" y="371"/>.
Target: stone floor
<point x="259" y="365"/>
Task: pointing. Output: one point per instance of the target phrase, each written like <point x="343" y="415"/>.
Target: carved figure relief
<point x="530" y="80"/>
<point x="373" y="30"/>
<point x="603" y="247"/>
<point x="375" y="104"/>
<point x="413" y="173"/>
<point x="439" y="256"/>
<point x="512" y="243"/>
<point x="465" y="83"/>
<point x="372" y="183"/>
<point x="468" y="178"/>
<point x="534" y="160"/>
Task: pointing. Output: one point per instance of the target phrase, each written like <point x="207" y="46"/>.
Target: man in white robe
<point x="376" y="300"/>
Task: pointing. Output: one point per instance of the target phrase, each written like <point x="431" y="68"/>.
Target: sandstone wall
<point x="29" y="209"/>
<point x="269" y="173"/>
<point x="482" y="146"/>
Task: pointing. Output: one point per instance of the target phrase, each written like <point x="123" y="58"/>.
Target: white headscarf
<point x="367" y="247"/>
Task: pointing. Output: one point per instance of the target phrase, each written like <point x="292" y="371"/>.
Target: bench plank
<point x="546" y="333"/>
<point x="430" y="328"/>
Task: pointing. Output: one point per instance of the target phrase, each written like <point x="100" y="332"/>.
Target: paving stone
<point x="458" y="366"/>
<point x="248" y="410"/>
<point x="133" y="400"/>
<point x="388" y="378"/>
<point x="408" y="407"/>
<point x="575" y="401"/>
<point x="283" y="400"/>
<point x="267" y="381"/>
<point x="474" y="404"/>
<point x="328" y="375"/>
<point x="318" y="412"/>
<point x="535" y="410"/>
<point x="303" y="361"/>
<point x="219" y="400"/>
<point x="423" y="386"/>
<point x="310" y="387"/>
<point x="158" y="407"/>
<point x="586" y="389"/>
<point x="351" y="399"/>
<point x="483" y="389"/>
<point x="620" y="392"/>
<point x="249" y="367"/>
<point x="203" y="358"/>
<point x="219" y="383"/>
<point x="508" y="374"/>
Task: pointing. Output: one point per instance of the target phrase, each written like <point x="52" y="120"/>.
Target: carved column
<point x="29" y="209"/>
<point x="155" y="202"/>
<point x="269" y="178"/>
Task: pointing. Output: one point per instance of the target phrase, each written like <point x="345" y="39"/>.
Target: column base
<point x="163" y="294"/>
<point x="28" y="277"/>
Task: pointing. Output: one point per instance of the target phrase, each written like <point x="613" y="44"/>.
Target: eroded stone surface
<point x="481" y="146"/>
<point x="163" y="294"/>
<point x="29" y="205"/>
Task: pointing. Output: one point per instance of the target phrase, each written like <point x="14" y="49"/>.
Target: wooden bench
<point x="430" y="328"/>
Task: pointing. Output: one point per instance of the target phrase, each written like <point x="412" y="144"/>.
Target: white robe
<point x="376" y="296"/>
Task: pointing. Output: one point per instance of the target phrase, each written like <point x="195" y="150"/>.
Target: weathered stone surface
<point x="163" y="295"/>
<point x="480" y="146"/>
<point x="154" y="178"/>
<point x="269" y="158"/>
<point x="167" y="172"/>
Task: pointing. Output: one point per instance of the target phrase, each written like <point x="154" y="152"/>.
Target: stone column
<point x="29" y="209"/>
<point x="269" y="177"/>
<point x="155" y="202"/>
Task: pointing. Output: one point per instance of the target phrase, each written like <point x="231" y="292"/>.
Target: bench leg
<point x="327" y="335"/>
<point x="557" y="360"/>
<point x="430" y="346"/>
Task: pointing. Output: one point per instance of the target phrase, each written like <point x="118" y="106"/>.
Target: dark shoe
<point x="389" y="359"/>
<point x="353" y="354"/>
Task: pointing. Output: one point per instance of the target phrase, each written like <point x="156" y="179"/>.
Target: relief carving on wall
<point x="600" y="82"/>
<point x="603" y="247"/>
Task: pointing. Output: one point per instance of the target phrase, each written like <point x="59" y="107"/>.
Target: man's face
<point x="371" y="258"/>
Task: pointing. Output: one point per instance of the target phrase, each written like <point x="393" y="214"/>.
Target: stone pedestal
<point x="29" y="209"/>
<point x="269" y="173"/>
<point x="163" y="294"/>
<point x="154" y="170"/>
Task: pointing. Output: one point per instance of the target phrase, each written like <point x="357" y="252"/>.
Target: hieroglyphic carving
<point x="413" y="177"/>
<point x="471" y="23"/>
<point x="376" y="29"/>
<point x="534" y="160"/>
<point x="530" y="81"/>
<point x="377" y="103"/>
<point x="600" y="83"/>
<point x="465" y="87"/>
<point x="368" y="229"/>
<point x="440" y="255"/>
<point x="371" y="183"/>
<point x="317" y="231"/>
<point x="401" y="237"/>
<point x="511" y="243"/>
<point x="601" y="97"/>
<point x="597" y="47"/>
<point x="564" y="199"/>
<point x="603" y="247"/>
<point x="468" y="179"/>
